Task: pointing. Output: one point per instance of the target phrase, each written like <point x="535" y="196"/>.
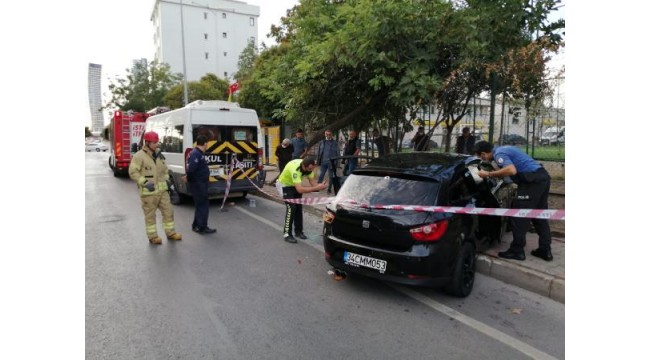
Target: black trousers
<point x="532" y="193"/>
<point x="199" y="191"/>
<point x="293" y="215"/>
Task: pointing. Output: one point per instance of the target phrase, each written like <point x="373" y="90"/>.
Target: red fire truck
<point x="124" y="136"/>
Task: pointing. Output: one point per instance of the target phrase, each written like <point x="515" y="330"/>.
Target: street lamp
<point x="183" y="51"/>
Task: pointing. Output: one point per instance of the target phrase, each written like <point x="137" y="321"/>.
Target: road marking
<point x="474" y="324"/>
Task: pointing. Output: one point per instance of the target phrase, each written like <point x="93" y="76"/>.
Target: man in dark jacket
<point x="352" y="148"/>
<point x="284" y="153"/>
<point x="198" y="178"/>
<point x="327" y="148"/>
<point x="420" y="140"/>
<point x="465" y="142"/>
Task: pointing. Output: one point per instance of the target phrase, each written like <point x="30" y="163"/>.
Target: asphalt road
<point x="243" y="293"/>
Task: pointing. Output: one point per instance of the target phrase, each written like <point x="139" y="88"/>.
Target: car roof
<point x="430" y="165"/>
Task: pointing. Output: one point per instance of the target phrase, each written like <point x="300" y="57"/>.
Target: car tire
<point x="98" y="149"/>
<point x="462" y="280"/>
<point x="175" y="197"/>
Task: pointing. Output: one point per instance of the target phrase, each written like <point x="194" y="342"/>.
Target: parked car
<point x="513" y="139"/>
<point x="410" y="247"/>
<point x="97" y="147"/>
<point x="553" y="136"/>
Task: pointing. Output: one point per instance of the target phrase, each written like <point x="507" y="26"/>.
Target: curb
<point x="525" y="278"/>
<point x="528" y="279"/>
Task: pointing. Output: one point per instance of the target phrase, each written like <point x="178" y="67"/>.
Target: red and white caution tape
<point x="548" y="214"/>
<point x="311" y="200"/>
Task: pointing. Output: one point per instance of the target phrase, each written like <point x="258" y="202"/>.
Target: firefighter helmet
<point x="151" y="136"/>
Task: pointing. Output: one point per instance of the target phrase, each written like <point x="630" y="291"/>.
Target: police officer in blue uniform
<point x="198" y="178"/>
<point x="533" y="185"/>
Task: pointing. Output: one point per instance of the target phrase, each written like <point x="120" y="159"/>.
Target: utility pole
<point x="185" y="100"/>
<point x="493" y="101"/>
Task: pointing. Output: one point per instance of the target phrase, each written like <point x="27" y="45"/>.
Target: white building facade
<point x="214" y="33"/>
<point x="95" y="98"/>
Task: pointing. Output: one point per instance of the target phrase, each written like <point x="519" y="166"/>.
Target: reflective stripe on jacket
<point x="144" y="167"/>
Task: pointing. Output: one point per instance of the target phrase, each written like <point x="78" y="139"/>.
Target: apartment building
<point x="95" y="98"/>
<point x="209" y="36"/>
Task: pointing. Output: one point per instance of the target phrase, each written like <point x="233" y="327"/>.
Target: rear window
<point x="389" y="190"/>
<point x="225" y="133"/>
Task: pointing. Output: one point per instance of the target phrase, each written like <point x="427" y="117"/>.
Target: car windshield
<point x="388" y="190"/>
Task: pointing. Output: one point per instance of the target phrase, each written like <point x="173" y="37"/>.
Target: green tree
<point x="210" y="87"/>
<point x="88" y="133"/>
<point x="246" y="61"/>
<point x="257" y="89"/>
<point x="143" y="88"/>
<point x="350" y="63"/>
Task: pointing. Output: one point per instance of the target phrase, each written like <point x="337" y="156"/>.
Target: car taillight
<point x="328" y="217"/>
<point x="260" y="153"/>
<point x="187" y="156"/>
<point x="429" y="232"/>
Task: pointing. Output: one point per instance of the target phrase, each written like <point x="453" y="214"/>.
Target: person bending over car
<point x="533" y="185"/>
<point x="292" y="188"/>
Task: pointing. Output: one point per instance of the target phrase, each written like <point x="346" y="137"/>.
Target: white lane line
<point x="474" y="324"/>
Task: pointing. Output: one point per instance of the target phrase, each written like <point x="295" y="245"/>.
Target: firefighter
<point x="149" y="171"/>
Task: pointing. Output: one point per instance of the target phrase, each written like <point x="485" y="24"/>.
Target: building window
<point x="224" y="35"/>
<point x="252" y="39"/>
<point x="252" y="21"/>
<point x="225" y="74"/>
<point x="225" y="53"/>
<point x="205" y="15"/>
<point x="205" y="36"/>
<point x="206" y="55"/>
<point x="223" y="15"/>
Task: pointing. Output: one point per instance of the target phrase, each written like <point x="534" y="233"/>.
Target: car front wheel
<point x="462" y="280"/>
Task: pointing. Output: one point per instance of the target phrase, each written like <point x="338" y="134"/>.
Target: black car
<point x="513" y="139"/>
<point x="410" y="247"/>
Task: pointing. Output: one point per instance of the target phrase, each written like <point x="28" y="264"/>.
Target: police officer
<point x="533" y="184"/>
<point x="149" y="171"/>
<point x="198" y="178"/>
<point x="292" y="188"/>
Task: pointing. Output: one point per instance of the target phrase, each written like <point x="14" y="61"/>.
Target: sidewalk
<point x="533" y="274"/>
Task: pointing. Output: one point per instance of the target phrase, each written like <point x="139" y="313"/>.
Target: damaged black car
<point x="424" y="248"/>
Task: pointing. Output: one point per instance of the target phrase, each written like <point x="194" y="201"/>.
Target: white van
<point x="553" y="135"/>
<point x="232" y="132"/>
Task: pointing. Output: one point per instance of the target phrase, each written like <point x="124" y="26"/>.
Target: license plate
<point x="366" y="261"/>
<point x="216" y="172"/>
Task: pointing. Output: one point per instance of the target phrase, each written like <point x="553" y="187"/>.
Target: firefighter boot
<point x="155" y="240"/>
<point x="174" y="236"/>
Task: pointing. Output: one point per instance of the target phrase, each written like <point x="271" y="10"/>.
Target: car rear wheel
<point x="462" y="281"/>
<point x="175" y="197"/>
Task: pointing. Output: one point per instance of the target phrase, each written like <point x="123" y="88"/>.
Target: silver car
<point x="97" y="147"/>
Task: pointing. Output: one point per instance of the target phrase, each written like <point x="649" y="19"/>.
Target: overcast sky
<point x="124" y="32"/>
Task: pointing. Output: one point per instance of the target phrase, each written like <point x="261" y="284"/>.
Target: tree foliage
<point x="209" y="87"/>
<point x="144" y="87"/>
<point x="246" y="61"/>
